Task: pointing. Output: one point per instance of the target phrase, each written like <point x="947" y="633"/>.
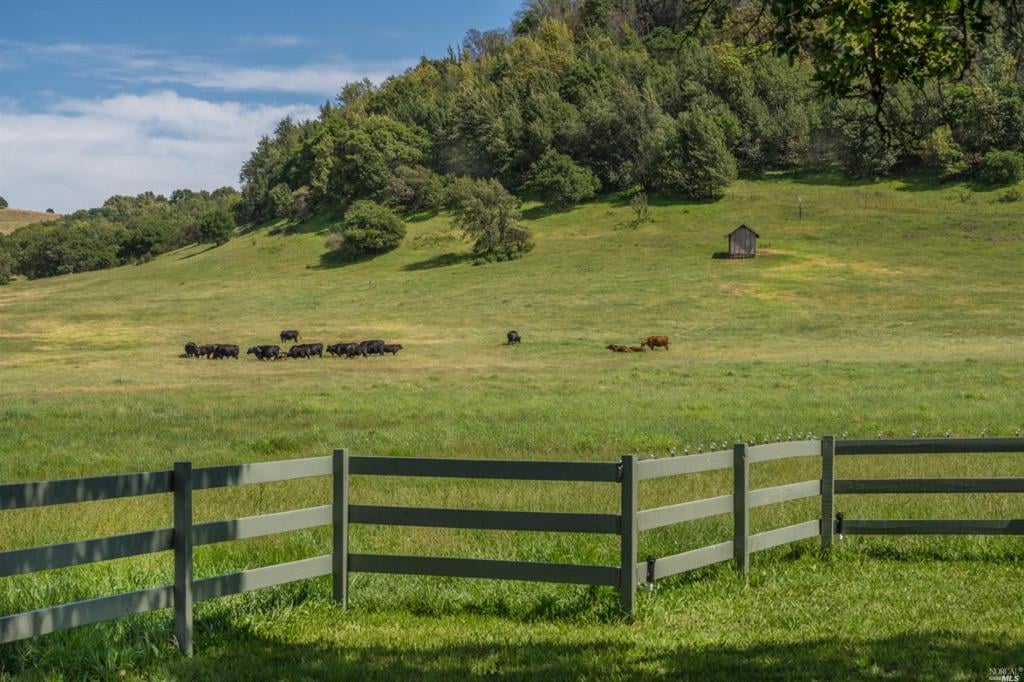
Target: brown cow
<point x="615" y="348"/>
<point x="637" y="349"/>
<point x="653" y="342"/>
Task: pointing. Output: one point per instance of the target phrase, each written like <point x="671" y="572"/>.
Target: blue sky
<point x="115" y="97"/>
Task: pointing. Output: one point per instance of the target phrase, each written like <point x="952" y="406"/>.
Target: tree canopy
<point x="672" y="96"/>
<point x="124" y="230"/>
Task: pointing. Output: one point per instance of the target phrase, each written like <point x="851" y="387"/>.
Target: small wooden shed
<point x="743" y="242"/>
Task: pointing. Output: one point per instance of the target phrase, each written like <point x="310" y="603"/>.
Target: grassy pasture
<point x="888" y="309"/>
<point x="13" y="218"/>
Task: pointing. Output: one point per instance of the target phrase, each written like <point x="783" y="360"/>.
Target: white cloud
<point x="323" y="79"/>
<point x="127" y="64"/>
<point x="79" y="152"/>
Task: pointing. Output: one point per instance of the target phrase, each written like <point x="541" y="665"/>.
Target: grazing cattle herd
<point x="217" y="351"/>
<point x="214" y="351"/>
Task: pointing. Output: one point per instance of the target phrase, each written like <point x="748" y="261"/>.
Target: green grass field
<point x="888" y="309"/>
<point x="13" y="218"/>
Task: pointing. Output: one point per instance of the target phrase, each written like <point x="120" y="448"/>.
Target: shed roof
<point x="742" y="227"/>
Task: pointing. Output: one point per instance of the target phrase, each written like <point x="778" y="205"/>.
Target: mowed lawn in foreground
<point x="887" y="309"/>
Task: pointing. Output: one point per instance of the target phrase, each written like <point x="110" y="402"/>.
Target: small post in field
<point x="627" y="572"/>
<point x="339" y="516"/>
<point x="741" y="507"/>
<point x="183" y="556"/>
<point x="828" y="490"/>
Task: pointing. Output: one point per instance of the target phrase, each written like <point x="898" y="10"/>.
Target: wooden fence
<point x="626" y="474"/>
<point x="924" y="446"/>
<point x="739" y="504"/>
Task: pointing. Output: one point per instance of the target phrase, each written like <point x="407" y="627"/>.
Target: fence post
<point x="828" y="489"/>
<point x="183" y="556"/>
<point x="627" y="573"/>
<point x="741" y="507"/>
<point x="339" y="517"/>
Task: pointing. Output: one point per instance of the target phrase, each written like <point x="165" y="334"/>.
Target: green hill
<point x="13" y="218"/>
<point x="888" y="308"/>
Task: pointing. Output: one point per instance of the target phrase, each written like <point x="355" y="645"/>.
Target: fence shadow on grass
<point x="927" y="655"/>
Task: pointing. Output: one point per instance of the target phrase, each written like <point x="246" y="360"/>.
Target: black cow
<point x="339" y="349"/>
<point x="392" y="348"/>
<point x="204" y="351"/>
<point x="191" y="350"/>
<point x="354" y="349"/>
<point x="513" y="337"/>
<point x="306" y="350"/>
<point x="264" y="352"/>
<point x="289" y="335"/>
<point x="372" y="347"/>
<point x="224" y="350"/>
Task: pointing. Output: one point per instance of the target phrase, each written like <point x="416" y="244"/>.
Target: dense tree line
<point x="626" y="94"/>
<point x="124" y="230"/>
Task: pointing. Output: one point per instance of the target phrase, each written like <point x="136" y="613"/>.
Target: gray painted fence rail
<point x="485" y="519"/>
<point x="183" y="481"/>
<point x="928" y="446"/>
<point x="486" y="468"/>
<point x="933" y="527"/>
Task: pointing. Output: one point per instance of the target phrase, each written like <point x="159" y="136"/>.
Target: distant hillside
<point x="13" y="218"/>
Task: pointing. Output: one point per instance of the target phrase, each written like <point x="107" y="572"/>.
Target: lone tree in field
<point x="216" y="227"/>
<point x="485" y="211"/>
<point x="3" y="202"/>
<point x="369" y="228"/>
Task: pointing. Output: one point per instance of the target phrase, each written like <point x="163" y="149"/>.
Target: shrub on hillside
<point x="1002" y="168"/>
<point x="216" y="226"/>
<point x="485" y="211"/>
<point x="941" y="154"/>
<point x="560" y="181"/>
<point x="415" y="188"/>
<point x="368" y="228"/>
<point x="3" y="202"/>
<point x="300" y="207"/>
